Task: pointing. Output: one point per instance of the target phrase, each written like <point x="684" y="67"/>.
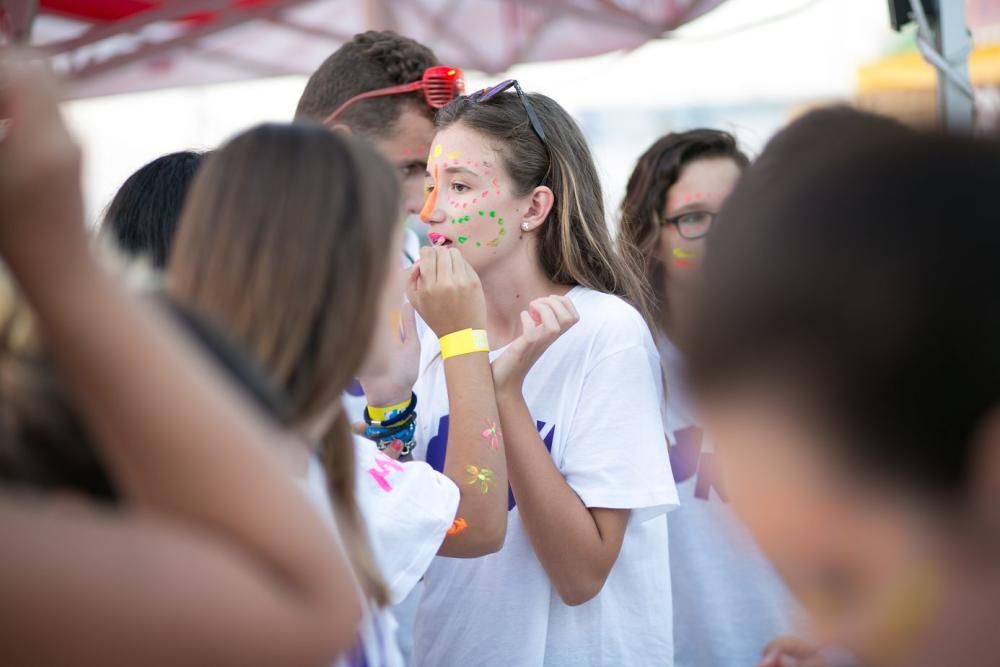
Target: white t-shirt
<point x="377" y="631"/>
<point x="408" y="508"/>
<point x="595" y="396"/>
<point x="728" y="600"/>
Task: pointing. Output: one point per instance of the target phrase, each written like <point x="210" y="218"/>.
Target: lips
<point x="439" y="240"/>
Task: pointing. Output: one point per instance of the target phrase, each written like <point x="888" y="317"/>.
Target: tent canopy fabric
<point x="114" y="46"/>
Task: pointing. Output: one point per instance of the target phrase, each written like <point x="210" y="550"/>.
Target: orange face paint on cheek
<point x="431" y="202"/>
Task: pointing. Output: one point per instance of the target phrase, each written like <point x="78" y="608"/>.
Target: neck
<point x="678" y="296"/>
<point x="509" y="288"/>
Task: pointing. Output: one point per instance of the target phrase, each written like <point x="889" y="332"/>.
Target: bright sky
<point x="747" y="80"/>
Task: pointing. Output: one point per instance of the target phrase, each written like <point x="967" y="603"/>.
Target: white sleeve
<point x="616" y="455"/>
<point x="408" y="508"/>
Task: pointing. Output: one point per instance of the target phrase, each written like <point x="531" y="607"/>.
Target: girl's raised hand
<point x="545" y="320"/>
<point x="446" y="291"/>
<point x="395" y="385"/>
<point x="40" y="197"/>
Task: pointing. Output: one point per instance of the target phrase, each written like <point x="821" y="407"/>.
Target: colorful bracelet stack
<point x="393" y="427"/>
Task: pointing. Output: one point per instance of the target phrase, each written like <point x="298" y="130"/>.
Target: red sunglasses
<point x="441" y="84"/>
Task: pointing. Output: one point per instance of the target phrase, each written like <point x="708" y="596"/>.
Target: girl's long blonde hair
<point x="285" y="240"/>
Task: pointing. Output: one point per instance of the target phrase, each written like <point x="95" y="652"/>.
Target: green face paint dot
<point x="466" y="218"/>
<point x="480" y="214"/>
<point x="478" y="244"/>
<point x="500" y="222"/>
<point x="463" y="239"/>
<point x="493" y="214"/>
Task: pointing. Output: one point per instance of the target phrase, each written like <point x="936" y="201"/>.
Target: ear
<point x="340" y="127"/>
<point x="540" y="204"/>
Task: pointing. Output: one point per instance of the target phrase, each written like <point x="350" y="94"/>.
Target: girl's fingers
<point x="563" y="311"/>
<point x="548" y="317"/>
<point x="445" y="265"/>
<point x="414" y="283"/>
<point x="527" y="323"/>
<point x="428" y="267"/>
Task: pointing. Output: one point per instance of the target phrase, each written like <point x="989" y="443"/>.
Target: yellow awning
<point x="909" y="71"/>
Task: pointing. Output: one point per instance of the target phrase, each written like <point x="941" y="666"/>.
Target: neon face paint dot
<point x="437" y="150"/>
<point x="481" y="214"/>
<point x="500" y="222"/>
<point x="680" y="253"/>
<point x="454" y="155"/>
<point x="463" y="239"/>
<point x="493" y="214"/>
<point x="478" y="244"/>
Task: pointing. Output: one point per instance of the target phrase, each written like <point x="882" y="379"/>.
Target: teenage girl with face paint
<point x="728" y="600"/>
<point x="514" y="195"/>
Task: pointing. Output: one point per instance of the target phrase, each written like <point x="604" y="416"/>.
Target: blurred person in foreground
<point x="197" y="571"/>
<point x="845" y="357"/>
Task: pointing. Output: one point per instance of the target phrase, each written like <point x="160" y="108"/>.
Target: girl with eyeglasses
<point x="515" y="202"/>
<point x="729" y="601"/>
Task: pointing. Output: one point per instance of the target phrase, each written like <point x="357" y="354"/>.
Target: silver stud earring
<point x="525" y="226"/>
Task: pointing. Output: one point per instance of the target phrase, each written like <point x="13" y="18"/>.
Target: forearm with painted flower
<point x="447" y="293"/>
<point x="576" y="545"/>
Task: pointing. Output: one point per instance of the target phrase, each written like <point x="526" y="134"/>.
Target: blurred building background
<point x="746" y="66"/>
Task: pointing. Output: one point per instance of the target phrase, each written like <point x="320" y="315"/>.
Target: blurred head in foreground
<point x="846" y="354"/>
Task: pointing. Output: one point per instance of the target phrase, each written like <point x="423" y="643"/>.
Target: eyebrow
<point x="459" y="169"/>
<point x="696" y="206"/>
<point x="456" y="170"/>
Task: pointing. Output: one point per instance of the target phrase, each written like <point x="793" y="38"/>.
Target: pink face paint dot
<point x="498" y="192"/>
<point x="485" y="192"/>
<point x="474" y="201"/>
<point x="465" y="206"/>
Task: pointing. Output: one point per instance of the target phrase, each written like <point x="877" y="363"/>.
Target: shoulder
<point x="609" y="321"/>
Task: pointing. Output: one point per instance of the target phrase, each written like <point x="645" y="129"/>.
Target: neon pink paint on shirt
<point x="383" y="466"/>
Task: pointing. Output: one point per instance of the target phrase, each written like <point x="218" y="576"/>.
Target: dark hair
<point x="831" y="274"/>
<point x="574" y="246"/>
<point x="370" y="61"/>
<point x="44" y="444"/>
<point x="286" y="241"/>
<point x="143" y="215"/>
<point x="657" y="170"/>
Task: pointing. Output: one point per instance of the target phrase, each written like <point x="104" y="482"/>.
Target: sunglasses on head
<point x="487" y="94"/>
<point x="441" y="84"/>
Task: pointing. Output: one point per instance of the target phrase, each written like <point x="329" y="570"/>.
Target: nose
<point x="430" y="209"/>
